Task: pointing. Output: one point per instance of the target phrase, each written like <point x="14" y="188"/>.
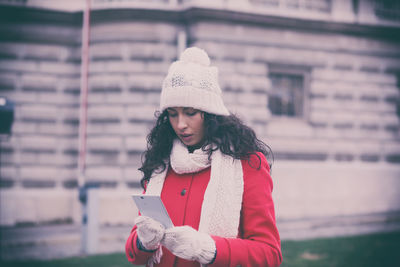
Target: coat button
<point x="183" y="192"/>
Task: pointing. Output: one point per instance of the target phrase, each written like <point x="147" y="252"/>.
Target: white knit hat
<point x="192" y="82"/>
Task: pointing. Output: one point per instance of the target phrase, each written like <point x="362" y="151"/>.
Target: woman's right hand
<point x="149" y="231"/>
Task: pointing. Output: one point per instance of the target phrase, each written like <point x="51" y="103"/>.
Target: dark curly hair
<point x="227" y="133"/>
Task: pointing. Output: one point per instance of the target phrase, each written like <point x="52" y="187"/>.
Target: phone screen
<point x="153" y="207"/>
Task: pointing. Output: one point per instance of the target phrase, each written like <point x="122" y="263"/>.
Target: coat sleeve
<point x="132" y="252"/>
<point x="258" y="243"/>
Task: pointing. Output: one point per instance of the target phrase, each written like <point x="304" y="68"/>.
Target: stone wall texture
<point x="342" y="158"/>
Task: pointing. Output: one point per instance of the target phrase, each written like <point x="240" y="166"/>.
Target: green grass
<point x="106" y="260"/>
<point x="377" y="250"/>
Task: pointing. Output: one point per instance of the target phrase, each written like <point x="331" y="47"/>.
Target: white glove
<point x="189" y="244"/>
<point x="149" y="231"/>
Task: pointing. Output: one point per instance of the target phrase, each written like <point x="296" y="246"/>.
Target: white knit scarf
<point x="220" y="211"/>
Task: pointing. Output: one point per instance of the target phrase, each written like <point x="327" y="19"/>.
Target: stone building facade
<point x="317" y="80"/>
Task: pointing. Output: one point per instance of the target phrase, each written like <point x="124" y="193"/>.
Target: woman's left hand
<point x="189" y="244"/>
<point x="149" y="231"/>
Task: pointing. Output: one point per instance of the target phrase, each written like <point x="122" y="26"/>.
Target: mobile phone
<point x="153" y="207"/>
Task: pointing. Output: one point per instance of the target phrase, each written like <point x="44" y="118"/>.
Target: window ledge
<point x="288" y="127"/>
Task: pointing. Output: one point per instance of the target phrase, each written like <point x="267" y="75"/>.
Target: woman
<point x="212" y="175"/>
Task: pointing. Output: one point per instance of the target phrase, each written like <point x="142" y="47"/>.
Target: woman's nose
<point x="182" y="123"/>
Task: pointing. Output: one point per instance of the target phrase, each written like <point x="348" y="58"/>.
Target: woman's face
<point x="188" y="124"/>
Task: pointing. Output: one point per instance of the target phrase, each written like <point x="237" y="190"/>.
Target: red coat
<point x="258" y="242"/>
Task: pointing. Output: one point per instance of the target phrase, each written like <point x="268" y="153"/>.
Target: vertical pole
<point x="84" y="94"/>
<point x="182" y="39"/>
<point x="83" y="122"/>
<point x="93" y="221"/>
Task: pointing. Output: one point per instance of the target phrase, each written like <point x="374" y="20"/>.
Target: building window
<point x="323" y="6"/>
<point x="286" y="97"/>
<point x="387" y="9"/>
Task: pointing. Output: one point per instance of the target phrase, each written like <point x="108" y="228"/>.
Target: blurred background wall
<point x="317" y="79"/>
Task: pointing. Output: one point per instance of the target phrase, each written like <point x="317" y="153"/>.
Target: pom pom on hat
<point x="195" y="55"/>
<point x="192" y="82"/>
